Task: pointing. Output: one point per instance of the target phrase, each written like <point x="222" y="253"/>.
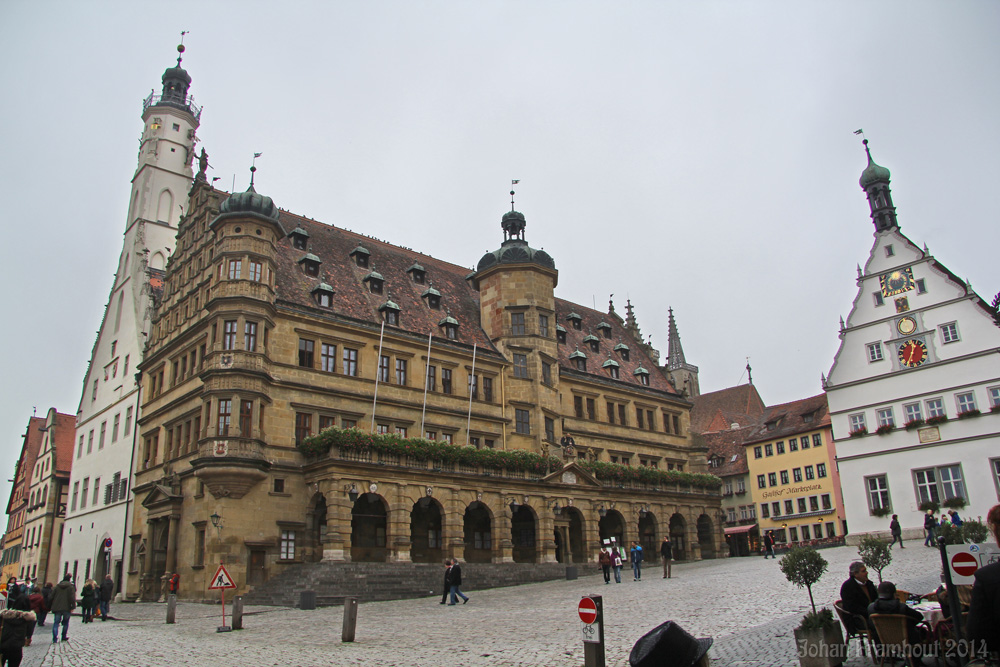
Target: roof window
<point x="375" y="281"/>
<point x="560" y="333"/>
<point x="417" y="273"/>
<point x="361" y="256"/>
<point x="622" y="350"/>
<point x="579" y="360"/>
<point x="593" y="341"/>
<point x="604" y="328"/>
<point x="576" y="321"/>
<point x="642" y="374"/>
<point x="300" y="238"/>
<point x="390" y="312"/>
<point x="323" y="294"/>
<point x="432" y="297"/>
<point x="310" y="264"/>
<point x="613" y="368"/>
<point x="450" y="326"/>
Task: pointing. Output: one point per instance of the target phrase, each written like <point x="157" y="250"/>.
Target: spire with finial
<point x="749" y="372"/>
<point x="675" y="353"/>
<point x="875" y="182"/>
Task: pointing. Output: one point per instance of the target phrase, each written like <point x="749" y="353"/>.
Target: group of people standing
<point x="931" y="524"/>
<point x="612" y="559"/>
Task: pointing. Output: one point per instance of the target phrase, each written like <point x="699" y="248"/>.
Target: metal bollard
<point x="238" y="613"/>
<point x="171" y="608"/>
<point x="350" y="619"/>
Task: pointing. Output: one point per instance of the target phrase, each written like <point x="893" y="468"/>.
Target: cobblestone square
<point x="744" y="603"/>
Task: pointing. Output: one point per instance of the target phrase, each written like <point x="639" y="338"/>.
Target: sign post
<point x="221" y="581"/>
<point x="591" y="612"/>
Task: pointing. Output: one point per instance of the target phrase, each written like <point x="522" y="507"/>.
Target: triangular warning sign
<point x="221" y="579"/>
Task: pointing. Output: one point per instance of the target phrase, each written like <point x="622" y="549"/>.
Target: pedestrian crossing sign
<point x="221" y="579"/>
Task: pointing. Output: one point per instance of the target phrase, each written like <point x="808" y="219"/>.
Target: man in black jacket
<point x="447" y="580"/>
<point x="667" y="555"/>
<point x="857" y="592"/>
<point x="888" y="604"/>
<point x="107" y="592"/>
<point x="456" y="583"/>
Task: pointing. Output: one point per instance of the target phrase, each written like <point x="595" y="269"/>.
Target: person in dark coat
<point x="20" y="602"/>
<point x="769" y="545"/>
<point x="888" y="604"/>
<point x="930" y="524"/>
<point x="88" y="601"/>
<point x="37" y="603"/>
<point x="107" y="592"/>
<point x="896" y="530"/>
<point x="858" y="592"/>
<point x="47" y="598"/>
<point x="63" y="602"/>
<point x="604" y="560"/>
<point x="983" y="626"/>
<point x="667" y="554"/>
<point x="447" y="580"/>
<point x="456" y="583"/>
<point x="13" y="637"/>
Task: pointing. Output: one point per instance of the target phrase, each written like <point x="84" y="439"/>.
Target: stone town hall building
<point x="273" y="328"/>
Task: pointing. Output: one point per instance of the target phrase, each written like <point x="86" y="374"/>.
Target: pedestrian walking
<point x="174" y="584"/>
<point x="88" y="601"/>
<point x="456" y="583"/>
<point x="635" y="555"/>
<point x="616" y="564"/>
<point x="897" y="532"/>
<point x="447" y="581"/>
<point x="769" y="545"/>
<point x="667" y="555"/>
<point x="604" y="559"/>
<point x="955" y="519"/>
<point x="63" y="602"/>
<point x="37" y="603"/>
<point x="47" y="599"/>
<point x="21" y="602"/>
<point x="930" y="524"/>
<point x="15" y="624"/>
<point x="107" y="592"/>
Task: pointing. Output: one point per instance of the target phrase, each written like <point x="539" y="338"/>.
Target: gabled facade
<point x="46" y="490"/>
<point x="109" y="405"/>
<point x="18" y="502"/>
<point x="274" y="328"/>
<point x="914" y="390"/>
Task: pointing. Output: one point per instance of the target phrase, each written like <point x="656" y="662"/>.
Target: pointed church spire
<point x="875" y="182"/>
<point x="675" y="353"/>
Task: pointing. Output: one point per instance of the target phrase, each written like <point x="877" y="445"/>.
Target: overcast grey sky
<point x="694" y="155"/>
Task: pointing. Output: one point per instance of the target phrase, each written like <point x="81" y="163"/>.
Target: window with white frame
<point x="287" y="547"/>
<point x="994" y="397"/>
<point x="879" y="301"/>
<point x="884" y="416"/>
<point x="913" y="412"/>
<point x="874" y="352"/>
<point x="939" y="483"/>
<point x="858" y="422"/>
<point x="731" y="515"/>
<point x="966" y="402"/>
<point x="950" y="478"/>
<point x="995" y="467"/>
<point x="935" y="408"/>
<point x="949" y="332"/>
<point x="878" y="492"/>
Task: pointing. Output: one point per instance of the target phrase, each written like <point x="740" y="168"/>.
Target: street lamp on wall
<point x="352" y="492"/>
<point x="602" y="512"/>
<point x="556" y="509"/>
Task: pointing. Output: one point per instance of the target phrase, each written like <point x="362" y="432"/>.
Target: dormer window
<point x="417" y="273"/>
<point x="390" y="312"/>
<point x="360" y="256"/>
<point x="622" y="350"/>
<point x="560" y="333"/>
<point x="604" y="328"/>
<point x="310" y="264"/>
<point x="593" y="341"/>
<point x="300" y="238"/>
<point x="432" y="297"/>
<point x="450" y="326"/>
<point x="576" y="321"/>
<point x="771" y="425"/>
<point x="808" y="417"/>
<point x="643" y="375"/>
<point x="612" y="367"/>
<point x="579" y="360"/>
<point x="375" y="282"/>
<point x="323" y="295"/>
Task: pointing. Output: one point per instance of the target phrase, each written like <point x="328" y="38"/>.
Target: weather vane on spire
<point x="253" y="166"/>
<point x="513" y="182"/>
<point x="861" y="132"/>
<point x="180" y="47"/>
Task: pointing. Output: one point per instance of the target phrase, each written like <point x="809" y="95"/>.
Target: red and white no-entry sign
<point x="964" y="564"/>
<point x="587" y="611"/>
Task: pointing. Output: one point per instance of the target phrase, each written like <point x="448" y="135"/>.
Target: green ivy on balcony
<point x="623" y="473"/>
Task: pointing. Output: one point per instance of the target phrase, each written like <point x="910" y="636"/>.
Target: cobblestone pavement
<point x="744" y="603"/>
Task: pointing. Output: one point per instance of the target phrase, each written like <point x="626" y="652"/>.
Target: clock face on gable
<point x="912" y="353"/>
<point x="896" y="282"/>
<point x="906" y="325"/>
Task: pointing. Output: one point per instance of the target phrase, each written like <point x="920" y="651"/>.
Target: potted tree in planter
<point x="875" y="553"/>
<point x="819" y="638"/>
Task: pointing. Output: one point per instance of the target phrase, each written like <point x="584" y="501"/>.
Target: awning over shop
<point x="739" y="530"/>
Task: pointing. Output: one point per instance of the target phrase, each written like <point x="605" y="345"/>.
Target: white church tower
<point x="100" y="501"/>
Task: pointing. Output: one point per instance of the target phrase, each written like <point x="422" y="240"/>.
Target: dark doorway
<point x="478" y="533"/>
<point x="368" y="529"/>
<point x="577" y="553"/>
<point x="256" y="567"/>
<point x="317" y="528"/>
<point x="706" y="537"/>
<point x="647" y="535"/>
<point x="678" y="536"/>
<point x="612" y="527"/>
<point x="425" y="531"/>
<point x="523" y="535"/>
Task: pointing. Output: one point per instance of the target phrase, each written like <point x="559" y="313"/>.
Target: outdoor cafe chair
<point x="893" y="636"/>
<point x="855" y="626"/>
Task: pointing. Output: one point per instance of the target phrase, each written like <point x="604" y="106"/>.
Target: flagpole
<point x="472" y="384"/>
<point x="427" y="375"/>
<point x="378" y="374"/>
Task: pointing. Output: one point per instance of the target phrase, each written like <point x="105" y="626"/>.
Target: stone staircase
<point x="332" y="582"/>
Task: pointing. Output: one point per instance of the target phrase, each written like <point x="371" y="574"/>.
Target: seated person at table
<point x="888" y="604"/>
<point x="940" y="595"/>
<point x="857" y="592"/>
<point x="984" y="613"/>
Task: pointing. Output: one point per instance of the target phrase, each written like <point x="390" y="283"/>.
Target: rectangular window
<point x="611" y="412"/>
<point x="793" y="534"/>
<point x="772" y="479"/>
<point x="622" y="413"/>
<point x="100" y="438"/>
<point x="473" y="387"/>
<point x="935" y="408"/>
<point x="250" y="336"/>
<point x="805" y="531"/>
<point x="225" y="415"/>
<point x="246" y="417"/>
<point x="326" y="421"/>
<point x="383" y="368"/>
<point x="817" y="439"/>
<point x="488" y="389"/>
<point x="431" y="378"/>
<point x="305" y="353"/>
<point x="758" y="452"/>
<point x="517" y="324"/>
<point x="765" y="511"/>
<point x="877" y="296"/>
<point x="287" y="545"/>
<point x="350" y="362"/>
<point x="650" y="422"/>
<point x="234" y="269"/>
<point x="776" y="508"/>
<point x="401" y="431"/>
<point x="802" y="505"/>
<point x="520" y="365"/>
<point x="578" y="406"/>
<point x="789" y="509"/>
<point x="874" y="352"/>
<point x="885" y="417"/>
<point x="114" y="428"/>
<point x="446" y="380"/>
<point x="813" y="503"/>
<point x="328" y="358"/>
<point x="949" y="332"/>
<point x="995" y="467"/>
<point x="780" y="446"/>
<point x="79" y="449"/>
<point x="447" y="437"/>
<point x="254" y="267"/>
<point x="768" y="450"/>
<point x="303" y="426"/>
<point x="858" y="422"/>
<point x="966" y="402"/>
<point x="97" y="492"/>
<point x="83" y="496"/>
<point x="830" y="530"/>
<point x="546" y="373"/>
<point x="821" y="470"/>
<point x="793" y="445"/>
<point x="543" y="326"/>
<point x="522" y="421"/>
<point x="550" y="429"/>
<point x="639" y="418"/>
<point x="825" y="498"/>
<point x="784" y="477"/>
<point x="76" y="491"/>
<point x="229" y="335"/>
<point x="401" y="372"/>
<point x="994" y="397"/>
<point x="199" y="546"/>
<point x="804" y="442"/>
<point x="809" y="473"/>
<point x="591" y="409"/>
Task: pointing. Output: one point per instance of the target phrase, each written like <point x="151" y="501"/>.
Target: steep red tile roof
<point x="728" y="445"/>
<point x="789" y="418"/>
<point x="29" y="454"/>
<point x="718" y="410"/>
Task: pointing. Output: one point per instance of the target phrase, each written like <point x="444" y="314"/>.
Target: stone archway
<point x="612" y="526"/>
<point x="425" y="531"/>
<point x="576" y="547"/>
<point x="647" y="535"/>
<point x="477" y="529"/>
<point x="368" y="529"/>
<point x="678" y="537"/>
<point x="524" y="535"/>
<point x="706" y="536"/>
<point x="316" y="527"/>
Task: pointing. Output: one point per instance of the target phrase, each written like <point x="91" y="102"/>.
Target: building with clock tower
<point x="914" y="390"/>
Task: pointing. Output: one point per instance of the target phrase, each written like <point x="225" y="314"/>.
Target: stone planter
<point x="821" y="647"/>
